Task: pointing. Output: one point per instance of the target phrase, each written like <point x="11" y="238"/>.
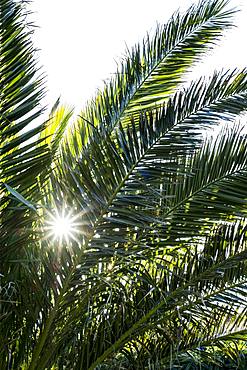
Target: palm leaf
<point x="152" y="70"/>
<point x="122" y="184"/>
<point x="56" y="125"/>
<point x="24" y="166"/>
<point x="158" y="258"/>
<point x="118" y="205"/>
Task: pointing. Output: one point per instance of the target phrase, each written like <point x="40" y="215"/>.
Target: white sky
<point x="81" y="39"/>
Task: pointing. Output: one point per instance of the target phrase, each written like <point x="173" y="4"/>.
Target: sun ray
<point x="61" y="225"/>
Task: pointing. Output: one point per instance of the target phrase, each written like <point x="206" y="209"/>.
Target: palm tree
<point x="149" y="271"/>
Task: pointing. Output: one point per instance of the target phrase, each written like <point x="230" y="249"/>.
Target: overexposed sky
<point x="80" y="41"/>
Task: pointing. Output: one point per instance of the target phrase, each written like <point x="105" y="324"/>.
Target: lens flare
<point x="62" y="226"/>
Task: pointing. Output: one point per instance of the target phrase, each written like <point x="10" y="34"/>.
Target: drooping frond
<point x="180" y="306"/>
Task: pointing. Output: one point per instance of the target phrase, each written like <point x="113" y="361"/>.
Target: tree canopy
<point x="123" y="231"/>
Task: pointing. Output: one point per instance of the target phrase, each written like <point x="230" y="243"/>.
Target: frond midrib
<point x="116" y="117"/>
<point x="156" y="66"/>
<point x="122" y="113"/>
<point x="215" y="181"/>
<point x="140" y="159"/>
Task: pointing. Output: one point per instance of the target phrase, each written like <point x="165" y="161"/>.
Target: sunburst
<point x="63" y="226"/>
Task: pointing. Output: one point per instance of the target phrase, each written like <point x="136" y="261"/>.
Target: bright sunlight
<point x="62" y="226"/>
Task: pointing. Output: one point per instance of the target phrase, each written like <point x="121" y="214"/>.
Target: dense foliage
<point x="152" y="272"/>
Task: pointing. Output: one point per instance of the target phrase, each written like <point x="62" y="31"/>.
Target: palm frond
<point x="24" y="166"/>
<point x="123" y="216"/>
<point x="188" y="315"/>
<point x="128" y="182"/>
<point x="56" y="125"/>
<point x="21" y="92"/>
<point x="155" y="269"/>
<point x="153" y="70"/>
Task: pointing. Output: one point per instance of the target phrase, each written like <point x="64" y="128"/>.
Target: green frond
<point x="127" y="212"/>
<point x="153" y="272"/>
<point x="130" y="182"/>
<point x="56" y="125"/>
<point x="153" y="70"/>
<point x="21" y="163"/>
<point x="21" y="92"/>
<point x="187" y="315"/>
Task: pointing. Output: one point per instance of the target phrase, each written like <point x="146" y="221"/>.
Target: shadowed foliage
<point x="153" y="175"/>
